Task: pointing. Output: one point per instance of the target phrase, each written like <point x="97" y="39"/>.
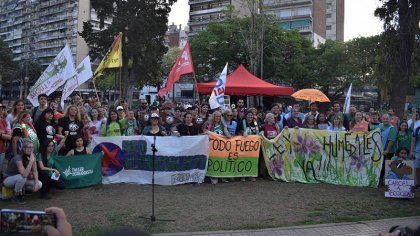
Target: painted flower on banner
<point x="357" y="162"/>
<point x="276" y="165"/>
<point x="305" y="145"/>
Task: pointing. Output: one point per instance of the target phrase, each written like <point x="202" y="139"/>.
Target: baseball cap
<point x="154" y="115"/>
<point x="120" y="108"/>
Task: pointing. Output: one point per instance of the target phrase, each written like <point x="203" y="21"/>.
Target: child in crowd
<point x="80" y="148"/>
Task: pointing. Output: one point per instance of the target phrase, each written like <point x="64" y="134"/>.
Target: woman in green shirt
<point x="47" y="153"/>
<point x="404" y="135"/>
<point x="113" y="126"/>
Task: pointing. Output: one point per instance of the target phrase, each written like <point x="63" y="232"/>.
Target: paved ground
<point x="353" y="228"/>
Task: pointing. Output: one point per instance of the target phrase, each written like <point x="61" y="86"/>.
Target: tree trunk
<point x="402" y="66"/>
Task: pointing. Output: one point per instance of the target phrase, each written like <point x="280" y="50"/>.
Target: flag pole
<point x="96" y="91"/>
<point x="196" y="89"/>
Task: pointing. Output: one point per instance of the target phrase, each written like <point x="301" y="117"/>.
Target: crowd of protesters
<point x="30" y="140"/>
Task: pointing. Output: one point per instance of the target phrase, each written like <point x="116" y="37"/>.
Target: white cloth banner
<point x="347" y="101"/>
<point x="217" y="98"/>
<point x="83" y="74"/>
<point x="56" y="74"/>
<point x="129" y="159"/>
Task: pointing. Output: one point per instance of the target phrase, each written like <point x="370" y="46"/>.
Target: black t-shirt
<point x="74" y="128"/>
<point x="185" y="130"/>
<point x="45" y="131"/>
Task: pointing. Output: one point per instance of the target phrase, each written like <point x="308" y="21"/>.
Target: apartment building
<point x="316" y="19"/>
<point x="335" y="20"/>
<point x="37" y="30"/>
<point x="202" y="12"/>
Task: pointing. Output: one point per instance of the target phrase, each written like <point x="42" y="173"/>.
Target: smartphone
<point x="23" y="222"/>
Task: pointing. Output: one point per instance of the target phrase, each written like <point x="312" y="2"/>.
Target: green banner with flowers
<point x="320" y="156"/>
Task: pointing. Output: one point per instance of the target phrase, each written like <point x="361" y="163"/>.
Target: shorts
<point x="417" y="161"/>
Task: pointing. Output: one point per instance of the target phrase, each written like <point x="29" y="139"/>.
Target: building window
<point x="329" y="15"/>
<point x="328" y="27"/>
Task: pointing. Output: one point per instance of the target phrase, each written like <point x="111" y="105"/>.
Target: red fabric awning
<point x="242" y="82"/>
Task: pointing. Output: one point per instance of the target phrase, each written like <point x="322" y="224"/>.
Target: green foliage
<point x="289" y="58"/>
<point x="144" y="24"/>
<point x="401" y="19"/>
<point x="7" y="65"/>
<point x="169" y="60"/>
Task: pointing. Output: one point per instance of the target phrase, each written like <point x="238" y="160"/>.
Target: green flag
<point x="80" y="171"/>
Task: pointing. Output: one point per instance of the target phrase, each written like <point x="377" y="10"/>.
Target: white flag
<point x="217" y="98"/>
<point x="347" y="102"/>
<point x="56" y="74"/>
<point x="83" y="74"/>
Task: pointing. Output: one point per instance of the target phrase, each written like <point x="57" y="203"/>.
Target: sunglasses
<point x="228" y="115"/>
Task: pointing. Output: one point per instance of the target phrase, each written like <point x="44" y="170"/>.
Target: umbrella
<point x="313" y="95"/>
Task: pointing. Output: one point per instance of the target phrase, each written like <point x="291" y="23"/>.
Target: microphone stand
<point x="154" y="150"/>
<point x="153" y="217"/>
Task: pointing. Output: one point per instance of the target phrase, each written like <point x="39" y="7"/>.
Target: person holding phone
<point x="21" y="173"/>
<point x="47" y="174"/>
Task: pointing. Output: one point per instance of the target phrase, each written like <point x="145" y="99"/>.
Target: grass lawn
<point x="225" y="206"/>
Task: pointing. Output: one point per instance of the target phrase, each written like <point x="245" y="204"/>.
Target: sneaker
<point x="19" y="199"/>
<point x="243" y="179"/>
<point x="253" y="179"/>
<point x="214" y="180"/>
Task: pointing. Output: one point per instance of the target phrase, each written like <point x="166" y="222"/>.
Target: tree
<point x="169" y="60"/>
<point x="7" y="66"/>
<point x="144" y="24"/>
<point x="287" y="54"/>
<point x="213" y="47"/>
<point x="401" y="19"/>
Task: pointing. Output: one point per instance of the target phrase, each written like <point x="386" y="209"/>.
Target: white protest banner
<point x="129" y="159"/>
<point x="217" y="98"/>
<point x="56" y="74"/>
<point x="83" y="74"/>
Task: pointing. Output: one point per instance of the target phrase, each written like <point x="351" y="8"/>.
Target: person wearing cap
<point x="121" y="115"/>
<point x="45" y="126"/>
<point x="112" y="126"/>
<point x="37" y="111"/>
<point x="154" y="128"/>
<point x="5" y="135"/>
<point x="120" y="111"/>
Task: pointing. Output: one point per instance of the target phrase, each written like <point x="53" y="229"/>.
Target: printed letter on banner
<point x="233" y="157"/>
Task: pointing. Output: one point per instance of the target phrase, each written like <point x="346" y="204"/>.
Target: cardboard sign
<point x="399" y="177"/>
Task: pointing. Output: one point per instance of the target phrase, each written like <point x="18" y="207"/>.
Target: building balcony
<point x="208" y="11"/>
<point x="203" y="22"/>
<point x="303" y="29"/>
<point x="192" y="2"/>
<point x="52" y="3"/>
<point x="288" y="3"/>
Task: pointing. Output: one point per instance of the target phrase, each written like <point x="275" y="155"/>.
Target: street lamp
<point x="26" y="86"/>
<point x="1" y="86"/>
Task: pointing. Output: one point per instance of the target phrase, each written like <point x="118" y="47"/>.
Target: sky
<point x="358" y="17"/>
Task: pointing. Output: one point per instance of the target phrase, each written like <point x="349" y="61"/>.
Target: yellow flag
<point x="113" y="58"/>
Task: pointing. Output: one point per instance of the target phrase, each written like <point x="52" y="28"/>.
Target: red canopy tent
<point x="242" y="82"/>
